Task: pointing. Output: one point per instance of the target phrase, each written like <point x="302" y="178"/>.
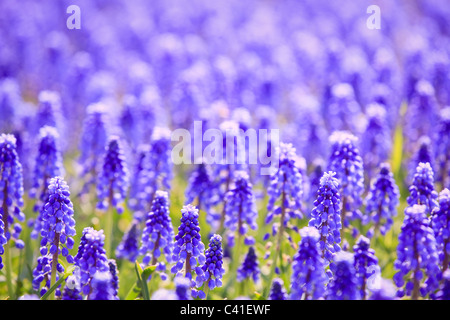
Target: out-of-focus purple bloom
<point x="384" y="290"/>
<point x="139" y="189"/>
<point x="308" y="269"/>
<point x="278" y="292"/>
<point x="249" y="268"/>
<point x="182" y="288"/>
<point x="417" y="255"/>
<point x="114" y="276"/>
<point x="49" y="113"/>
<point x="91" y="257"/>
<point x="11" y="189"/>
<point x="382" y="200"/>
<point x="286" y="186"/>
<point x="93" y="141"/>
<point x="346" y="161"/>
<point x="326" y="216"/>
<point x="189" y="248"/>
<point x="423" y="154"/>
<point x="157" y="237"/>
<point x="344" y="285"/>
<point x="72" y="289"/>
<point x="422" y="189"/>
<point x="129" y="246"/>
<point x="47" y="166"/>
<point x="366" y="265"/>
<point x="113" y="179"/>
<point x="10" y="99"/>
<point x="343" y="110"/>
<point x="442" y="148"/>
<point x="102" y="286"/>
<point x="440" y="222"/>
<point x="240" y="205"/>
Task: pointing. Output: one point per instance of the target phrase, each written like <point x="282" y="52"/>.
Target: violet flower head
<point x="278" y="292"/>
<point x="384" y="291"/>
<point x="113" y="179"/>
<point x="212" y="268"/>
<point x="286" y="186"/>
<point x="442" y="148"/>
<point x="344" y="284"/>
<point x="160" y="160"/>
<point x="346" y="161"/>
<point x="366" y="265"/>
<point x="128" y="248"/>
<point x="93" y="141"/>
<point x="48" y="165"/>
<point x="157" y="236"/>
<point x="376" y="139"/>
<point x="139" y="189"/>
<point x="240" y="206"/>
<point x="444" y="292"/>
<point x="58" y="224"/>
<point x="42" y="273"/>
<point x="183" y="288"/>
<point x="326" y="216"/>
<point x="72" y="288"/>
<point x="11" y="189"/>
<point x="249" y="268"/>
<point x="422" y="189"/>
<point x="49" y="113"/>
<point x="102" y="286"/>
<point x="10" y="99"/>
<point x="189" y="248"/>
<point x="114" y="276"/>
<point x="343" y="108"/>
<point x="440" y="222"/>
<point x="423" y="154"/>
<point x="382" y="200"/>
<point x="417" y="256"/>
<point x="91" y="257"/>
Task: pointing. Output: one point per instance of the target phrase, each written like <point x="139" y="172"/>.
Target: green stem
<point x="8" y="267"/>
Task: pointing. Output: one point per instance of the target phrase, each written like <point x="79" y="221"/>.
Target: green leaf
<point x="141" y="281"/>
<point x="134" y="292"/>
<point x="148" y="272"/>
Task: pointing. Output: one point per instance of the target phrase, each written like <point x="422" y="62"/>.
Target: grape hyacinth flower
<point x="366" y="265"/>
<point x="11" y="189"/>
<point x="423" y="154"/>
<point x="128" y="248"/>
<point x="2" y="240"/>
<point x="286" y="183"/>
<point x="382" y="201"/>
<point x="58" y="226"/>
<point x="249" y="268"/>
<point x="139" y="189"/>
<point x="102" y="286"/>
<point x="49" y="113"/>
<point x="157" y="237"/>
<point x="114" y="276"/>
<point x="326" y="216"/>
<point x="182" y="288"/>
<point x="442" y="148"/>
<point x="314" y="181"/>
<point x="344" y="284"/>
<point x="384" y="290"/>
<point x="160" y="160"/>
<point x="48" y="165"/>
<point x="278" y="292"/>
<point x="444" y="292"/>
<point x="440" y="222"/>
<point x="417" y="255"/>
<point x="212" y="268"/>
<point x="188" y="248"/>
<point x="43" y="273"/>
<point x="240" y="208"/>
<point x="347" y="163"/>
<point x="93" y="141"/>
<point x="91" y="257"/>
<point x="308" y="277"/>
<point x="113" y="179"/>
<point x="72" y="289"/>
<point x="422" y="189"/>
<point x="201" y="187"/>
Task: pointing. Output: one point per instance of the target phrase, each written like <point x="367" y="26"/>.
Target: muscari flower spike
<point x="440" y="222"/>
<point x="157" y="237"/>
<point x="240" y="208"/>
<point x="417" y="255"/>
<point x="49" y="113"/>
<point x="212" y="268"/>
<point x="423" y="154"/>
<point x="11" y="190"/>
<point x="442" y="148"/>
<point x="346" y="161"/>
<point x="91" y="257"/>
<point x="444" y="292"/>
<point x="113" y="180"/>
<point x="344" y="284"/>
<point x="114" y="276"/>
<point x="42" y="273"/>
<point x="48" y="165"/>
<point x="93" y="141"/>
<point x="366" y="264"/>
<point x="422" y="189"/>
<point x="102" y="286"/>
<point x="326" y="216"/>
<point x="72" y="289"/>
<point x="128" y="248"/>
<point x="308" y="269"/>
<point x="249" y="268"/>
<point x="278" y="292"/>
<point x="188" y="247"/>
<point x="285" y="184"/>
<point x="382" y="201"/>
<point x="182" y="288"/>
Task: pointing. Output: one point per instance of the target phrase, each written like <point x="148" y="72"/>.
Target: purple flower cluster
<point x="42" y="273"/>
<point x="422" y="189"/>
<point x="128" y="248"/>
<point x="442" y="148"/>
<point x="440" y="222"/>
<point x="278" y="292"/>
<point x="102" y="286"/>
<point x="366" y="265"/>
<point x="249" y="267"/>
<point x="212" y="268"/>
<point x="344" y="284"/>
<point x="308" y="269"/>
<point x="417" y="256"/>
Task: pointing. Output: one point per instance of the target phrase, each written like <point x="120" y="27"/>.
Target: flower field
<point x="212" y="150"/>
